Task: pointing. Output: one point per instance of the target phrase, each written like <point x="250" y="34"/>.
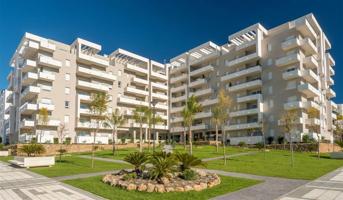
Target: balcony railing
<point x="246" y="85"/>
<point x="136" y="69"/>
<point x="305" y="43"/>
<point x="308" y="90"/>
<point x="93" y="59"/>
<point x="178" y="89"/>
<point x="30" y="90"/>
<point x="250" y="97"/>
<point x="197" y="83"/>
<point x="202" y="70"/>
<point x="178" y="78"/>
<point x="209" y="102"/>
<point x="202" y="92"/>
<point x="245" y="112"/>
<point x="27" y="123"/>
<point x="159" y="75"/>
<point x="160" y="86"/>
<point x="243" y="72"/>
<point x="97" y="73"/>
<point x="49" y="61"/>
<point x="242" y="126"/>
<point x="159" y="96"/>
<point x="28" y="65"/>
<point x="134" y="102"/>
<point x="288" y="60"/>
<point x="136" y="91"/>
<point x="241" y="60"/>
<point x="46" y="76"/>
<point x="176" y="109"/>
<point x="92" y="86"/>
<point x="140" y="81"/>
<point x="178" y="99"/>
<point x="29" y="78"/>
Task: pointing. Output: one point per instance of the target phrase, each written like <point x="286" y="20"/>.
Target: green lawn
<point x="277" y="163"/>
<point x="94" y="185"/>
<point x="204" y="151"/>
<point x="6" y="158"/>
<point x="74" y="165"/>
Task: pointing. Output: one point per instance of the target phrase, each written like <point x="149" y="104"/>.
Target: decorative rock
<point x="201" y="173"/>
<point x="203" y="186"/>
<point x="150" y="187"/>
<point x="165" y="180"/>
<point x="188" y="188"/>
<point x="142" y="187"/>
<point x="159" y="188"/>
<point x="131" y="186"/>
<point x="179" y="189"/>
<point x="197" y="188"/>
<point x="170" y="189"/>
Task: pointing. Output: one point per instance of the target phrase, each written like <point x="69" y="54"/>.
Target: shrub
<point x="1" y="146"/>
<point x="109" y="141"/>
<point x="56" y="141"/>
<point x="189" y="175"/>
<point x="137" y="159"/>
<point x="259" y="145"/>
<point x="32" y="149"/>
<point x="67" y="140"/>
<point x="187" y="161"/>
<point x="280" y="140"/>
<point x="129" y="176"/>
<point x="270" y="139"/>
<point x="123" y="140"/>
<point x="339" y="143"/>
<point x="161" y="166"/>
<point x="241" y="144"/>
<point x="33" y="140"/>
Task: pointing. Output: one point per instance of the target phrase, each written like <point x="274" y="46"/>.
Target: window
<point x="67" y="62"/>
<point x="67" y="77"/>
<point x="119" y="84"/>
<point x="271" y="118"/>
<point x="66" y="104"/>
<point x="269" y="62"/>
<point x="271" y="133"/>
<point x="269" y="46"/>
<point x="270" y="89"/>
<point x="66" y="118"/>
<point x="67" y="90"/>
<point x="119" y="72"/>
<point x="291" y="85"/>
<point x="270" y="75"/>
<point x="271" y="103"/>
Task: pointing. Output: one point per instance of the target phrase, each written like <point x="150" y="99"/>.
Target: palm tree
<point x="151" y="120"/>
<point x="137" y="159"/>
<point x="191" y="108"/>
<point x="140" y="116"/>
<point x="43" y="117"/>
<point x="114" y="120"/>
<point x="98" y="107"/>
<point x="188" y="161"/>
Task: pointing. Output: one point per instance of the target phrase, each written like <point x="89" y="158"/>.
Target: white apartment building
<point x="62" y="77"/>
<point x="265" y="72"/>
<point x="4" y="115"/>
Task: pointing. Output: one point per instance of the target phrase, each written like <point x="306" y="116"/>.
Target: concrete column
<point x="157" y="137"/>
<point x="134" y="136"/>
<point x="146" y="135"/>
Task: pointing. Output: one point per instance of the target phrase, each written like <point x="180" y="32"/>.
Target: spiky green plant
<point x="137" y="159"/>
<point x="162" y="164"/>
<point x="188" y="161"/>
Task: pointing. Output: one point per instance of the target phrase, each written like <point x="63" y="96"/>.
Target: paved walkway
<point x="21" y="184"/>
<point x="87" y="175"/>
<point x="104" y="159"/>
<point x="327" y="187"/>
<point x="271" y="187"/>
<point x="229" y="156"/>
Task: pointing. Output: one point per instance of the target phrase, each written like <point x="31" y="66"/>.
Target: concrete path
<point x="229" y="156"/>
<point x="271" y="187"/>
<point x="327" y="187"/>
<point x="104" y="159"/>
<point x="77" y="176"/>
<point x="21" y="184"/>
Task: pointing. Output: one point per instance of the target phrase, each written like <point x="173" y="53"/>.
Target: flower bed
<point x="171" y="184"/>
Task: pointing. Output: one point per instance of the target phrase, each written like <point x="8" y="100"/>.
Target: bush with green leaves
<point x="186" y="161"/>
<point x="162" y="164"/>
<point x="123" y="140"/>
<point x="241" y="144"/>
<point x="138" y="160"/>
<point x="56" y="141"/>
<point x="270" y="139"/>
<point x="129" y="176"/>
<point x="259" y="145"/>
<point x="32" y="149"/>
<point x="340" y="144"/>
<point x="67" y="140"/>
<point x="280" y="140"/>
<point x="1" y="146"/>
<point x="189" y="175"/>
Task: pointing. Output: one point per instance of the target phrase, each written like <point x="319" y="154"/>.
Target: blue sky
<point x="158" y="29"/>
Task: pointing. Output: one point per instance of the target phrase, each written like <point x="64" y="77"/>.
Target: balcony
<point x="199" y="127"/>
<point x="244" y="72"/>
<point x="307" y="74"/>
<point x="202" y="115"/>
<point x="84" y="97"/>
<point x="134" y="102"/>
<point x="293" y="105"/>
<point x="161" y="106"/>
<point x="308" y="90"/>
<point x="313" y="121"/>
<point x="92" y="86"/>
<point x="30" y="92"/>
<point x="176" y="109"/>
<point x="202" y="92"/>
<point x="331" y="81"/>
<point x="28" y="108"/>
<point x="251" y="111"/>
<point x="334" y="105"/>
<point x="203" y="70"/>
<point x="159" y="96"/>
<point x="93" y="59"/>
<point x="49" y="107"/>
<point x="29" y="48"/>
<point x="49" y="62"/>
<point x="178" y="89"/>
<point x="136" y="91"/>
<point x="209" y="102"/>
<point x="178" y="99"/>
<point x="243" y="126"/>
<point x="159" y="86"/>
<point x="287" y="75"/>
<point x="8" y="110"/>
<point x="90" y="125"/>
<point x="47" y="46"/>
<point x="198" y="83"/>
<point x="96" y="73"/>
<point x="331" y="71"/>
<point x="312" y="104"/>
<point x="140" y="81"/>
<point x="9" y="98"/>
<point x="46" y="76"/>
<point x="288" y="60"/>
<point x="242" y="60"/>
<point x="310" y="62"/>
<point x="330" y="59"/>
<point x="27" y="123"/>
<point x="159" y="75"/>
<point x="246" y="85"/>
<point x="250" y="97"/>
<point x="176" y="79"/>
<point x="330" y="93"/>
<point x="51" y="122"/>
<point x="28" y="65"/>
<point x="306" y="44"/>
<point x="305" y="28"/>
<point x="29" y="78"/>
<point x="310" y="76"/>
<point x="334" y="116"/>
<point x="136" y="69"/>
<point x="176" y="119"/>
<point x="181" y="68"/>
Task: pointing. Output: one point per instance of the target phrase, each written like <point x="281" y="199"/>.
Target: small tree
<point x="114" y="120"/>
<point x="313" y="114"/>
<point x="140" y="116"/>
<point x="32" y="149"/>
<point x="98" y="107"/>
<point x="288" y="122"/>
<point x="61" y="134"/>
<point x="192" y="106"/>
<point x="217" y="121"/>
<point x="43" y="117"/>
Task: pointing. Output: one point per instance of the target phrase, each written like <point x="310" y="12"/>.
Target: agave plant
<point x="162" y="164"/>
<point x="187" y="161"/>
<point x="137" y="159"/>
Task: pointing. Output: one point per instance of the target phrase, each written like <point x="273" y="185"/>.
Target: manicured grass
<point x="6" y="158"/>
<point x="203" y="151"/>
<point x="96" y="186"/>
<point x="72" y="165"/>
<point x="277" y="163"/>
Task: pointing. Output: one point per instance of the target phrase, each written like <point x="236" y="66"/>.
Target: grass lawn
<point x="6" y="158"/>
<point x="203" y="151"/>
<point x="277" y="163"/>
<point x="71" y="165"/>
<point x="96" y="186"/>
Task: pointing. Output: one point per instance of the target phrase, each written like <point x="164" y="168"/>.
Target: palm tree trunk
<point x="318" y="145"/>
<point x="224" y="145"/>
<point x="217" y="145"/>
<point x="190" y="141"/>
<point x="140" y="139"/>
<point x="93" y="146"/>
<point x="113" y="142"/>
<point x="291" y="148"/>
<point x="149" y="136"/>
<point x="184" y="140"/>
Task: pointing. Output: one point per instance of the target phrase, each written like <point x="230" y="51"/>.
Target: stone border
<point x="205" y="180"/>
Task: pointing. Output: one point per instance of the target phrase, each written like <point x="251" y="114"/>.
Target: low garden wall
<point x="307" y="147"/>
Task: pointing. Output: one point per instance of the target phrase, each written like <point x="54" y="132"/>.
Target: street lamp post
<point x="154" y="102"/>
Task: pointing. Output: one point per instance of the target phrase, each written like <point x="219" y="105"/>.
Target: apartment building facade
<point x="4" y="115"/>
<point x="62" y="77"/>
<point x="265" y="72"/>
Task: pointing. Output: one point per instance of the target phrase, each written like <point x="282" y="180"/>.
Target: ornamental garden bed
<point x="162" y="172"/>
